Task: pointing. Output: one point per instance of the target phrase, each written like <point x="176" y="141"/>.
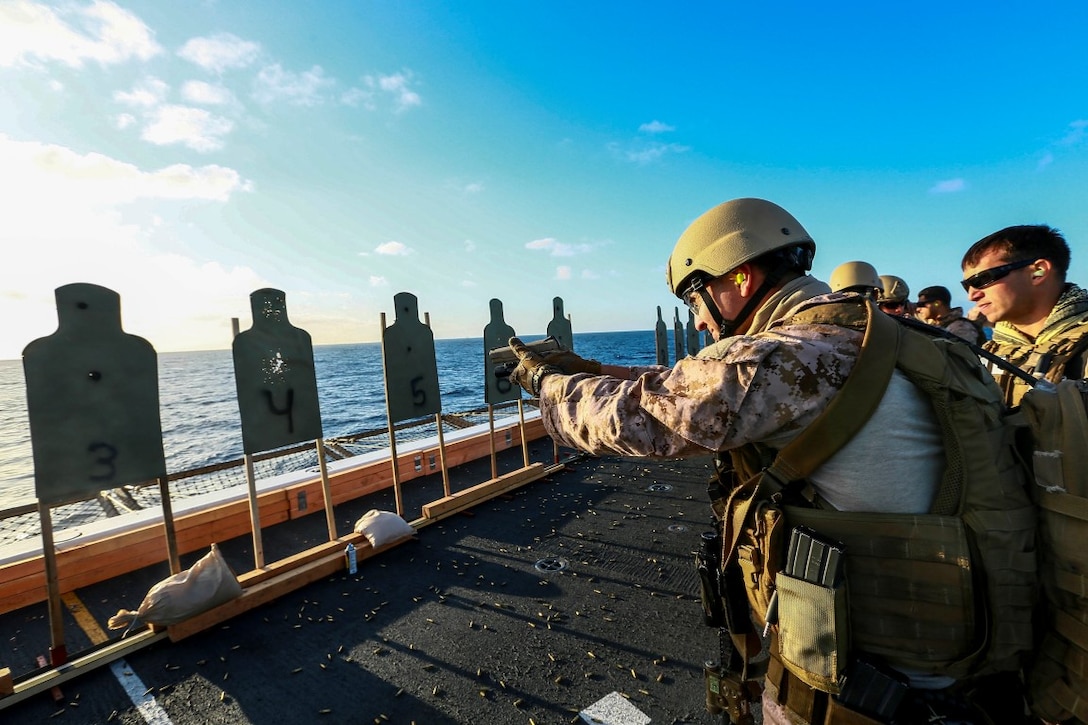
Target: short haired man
<point x="784" y="349"/>
<point x="894" y="297"/>
<point x="934" y="307"/>
<point x="1016" y="278"/>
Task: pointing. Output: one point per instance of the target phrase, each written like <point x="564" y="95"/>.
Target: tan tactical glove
<point x="531" y="367"/>
<point x="570" y="363"/>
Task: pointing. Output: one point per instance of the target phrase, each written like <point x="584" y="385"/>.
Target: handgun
<point x="503" y="360"/>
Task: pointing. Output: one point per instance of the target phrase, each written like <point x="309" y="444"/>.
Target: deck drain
<point x="677" y="528"/>
<point x="551" y="564"/>
<point x="659" y="487"/>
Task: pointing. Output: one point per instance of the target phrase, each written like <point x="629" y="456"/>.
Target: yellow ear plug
<point x="740" y="278"/>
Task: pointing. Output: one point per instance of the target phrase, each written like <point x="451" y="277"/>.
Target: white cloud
<point x="125" y="120"/>
<point x="378" y="281"/>
<point x="1045" y="161"/>
<point x="467" y="283"/>
<point x="396" y="86"/>
<point x="102" y="32"/>
<point x="207" y="94"/>
<point x="358" y="97"/>
<point x="194" y="127"/>
<point x="220" y="52"/>
<point x="656" y="127"/>
<point x="558" y="249"/>
<point x="95" y="240"/>
<point x="1076" y="133"/>
<point x="301" y="89"/>
<point x="394" y="249"/>
<point x="562" y="273"/>
<point x="147" y="93"/>
<point x="645" y="153"/>
<point x="590" y="274"/>
<point x="545" y="243"/>
<point x="948" y="186"/>
<point x="95" y="179"/>
<point x="470" y="246"/>
<point x="473" y="188"/>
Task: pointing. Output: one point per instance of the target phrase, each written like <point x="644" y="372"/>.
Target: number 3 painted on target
<point x="105" y="456"/>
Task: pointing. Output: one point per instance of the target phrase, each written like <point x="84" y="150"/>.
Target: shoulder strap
<point x="844" y="416"/>
<point x="934" y="331"/>
<point x="851" y="407"/>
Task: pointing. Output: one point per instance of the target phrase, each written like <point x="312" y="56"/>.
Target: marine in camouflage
<point x="764" y="386"/>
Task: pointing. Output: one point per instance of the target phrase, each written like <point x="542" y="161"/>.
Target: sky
<point x="186" y="154"/>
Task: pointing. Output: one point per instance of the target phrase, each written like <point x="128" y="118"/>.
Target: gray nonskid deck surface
<point x="531" y="607"/>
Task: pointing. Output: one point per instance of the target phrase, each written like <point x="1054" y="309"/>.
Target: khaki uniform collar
<point x="784" y="300"/>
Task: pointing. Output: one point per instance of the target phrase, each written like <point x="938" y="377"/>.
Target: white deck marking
<point x="613" y="709"/>
<point x="145" y="703"/>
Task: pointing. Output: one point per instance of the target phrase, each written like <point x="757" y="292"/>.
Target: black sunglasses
<point x="987" y="277"/>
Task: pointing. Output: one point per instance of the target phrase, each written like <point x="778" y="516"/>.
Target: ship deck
<point x="571" y="596"/>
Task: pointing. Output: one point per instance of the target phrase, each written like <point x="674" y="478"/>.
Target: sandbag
<point x="383" y="527"/>
<point x="206" y="584"/>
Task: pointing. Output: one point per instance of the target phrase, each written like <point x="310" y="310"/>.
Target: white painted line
<point x="151" y="711"/>
<point x="613" y="709"/>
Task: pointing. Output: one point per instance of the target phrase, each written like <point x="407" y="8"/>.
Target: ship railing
<point x="19" y="521"/>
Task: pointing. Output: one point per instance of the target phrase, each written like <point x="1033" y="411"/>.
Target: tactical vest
<point x="1058" y="675"/>
<point x="1062" y="356"/>
<point x="948" y="592"/>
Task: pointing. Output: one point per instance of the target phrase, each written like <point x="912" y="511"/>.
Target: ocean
<point x="199" y="410"/>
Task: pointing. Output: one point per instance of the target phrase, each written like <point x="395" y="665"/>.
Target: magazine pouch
<point x="813" y="631"/>
<point x="812" y="615"/>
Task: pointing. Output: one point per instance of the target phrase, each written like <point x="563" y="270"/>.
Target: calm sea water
<point x="199" y="410"/>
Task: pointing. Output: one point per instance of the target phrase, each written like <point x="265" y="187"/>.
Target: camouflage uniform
<point x="764" y="387"/>
<point x="1056" y="352"/>
<point x="958" y="325"/>
<point x="716" y="401"/>
<point x="761" y="388"/>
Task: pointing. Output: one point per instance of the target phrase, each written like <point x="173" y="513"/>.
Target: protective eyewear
<point x="691" y="296"/>
<point x="987" y="277"/>
<point x="896" y="306"/>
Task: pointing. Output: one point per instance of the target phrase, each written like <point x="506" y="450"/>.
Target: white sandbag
<point x="206" y="584"/>
<point x="383" y="527"/>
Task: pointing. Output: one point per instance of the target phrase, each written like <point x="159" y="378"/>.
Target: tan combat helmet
<point x="855" y="277"/>
<point x="893" y="289"/>
<point x="729" y="235"/>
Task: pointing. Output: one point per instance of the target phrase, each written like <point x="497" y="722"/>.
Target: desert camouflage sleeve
<point x="761" y="388"/>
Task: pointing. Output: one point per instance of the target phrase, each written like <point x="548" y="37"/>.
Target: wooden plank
<point x="487" y="489"/>
<point x="79" y="666"/>
<point x="269" y="589"/>
<point x="277" y="568"/>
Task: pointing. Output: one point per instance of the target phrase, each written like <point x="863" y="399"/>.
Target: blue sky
<point x="185" y="154"/>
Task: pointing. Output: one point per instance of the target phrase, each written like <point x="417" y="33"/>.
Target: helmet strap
<point x="712" y="307"/>
<point x="729" y="327"/>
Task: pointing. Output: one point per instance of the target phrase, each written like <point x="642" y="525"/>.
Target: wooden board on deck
<point x="487" y="489"/>
<point x="263" y="586"/>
